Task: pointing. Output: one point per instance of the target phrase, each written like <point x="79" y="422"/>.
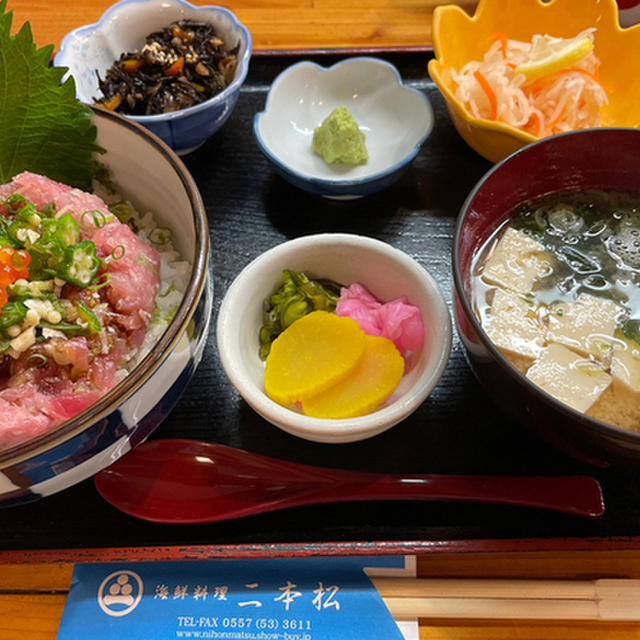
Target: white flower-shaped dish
<point x="124" y="28"/>
<point x="396" y="120"/>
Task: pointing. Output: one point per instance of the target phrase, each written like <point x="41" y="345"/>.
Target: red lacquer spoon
<point x="184" y="481"/>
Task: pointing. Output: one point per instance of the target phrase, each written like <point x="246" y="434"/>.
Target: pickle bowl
<point x="92" y="49"/>
<point x="395" y="119"/>
<point x="387" y="273"/>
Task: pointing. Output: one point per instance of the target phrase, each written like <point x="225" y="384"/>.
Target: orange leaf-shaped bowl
<point x="459" y="38"/>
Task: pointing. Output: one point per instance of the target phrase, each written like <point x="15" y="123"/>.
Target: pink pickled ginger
<point x="397" y="320"/>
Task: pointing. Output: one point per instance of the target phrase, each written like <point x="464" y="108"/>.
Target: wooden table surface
<point x="32" y="597"/>
<point x="275" y="25"/>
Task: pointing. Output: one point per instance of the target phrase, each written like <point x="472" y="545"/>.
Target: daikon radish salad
<point x="547" y="86"/>
<point x="332" y="351"/>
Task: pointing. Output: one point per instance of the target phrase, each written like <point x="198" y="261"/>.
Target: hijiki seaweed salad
<point x="85" y="287"/>
<point x="180" y="66"/>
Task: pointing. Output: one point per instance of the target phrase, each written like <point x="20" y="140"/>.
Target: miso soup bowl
<point x="596" y="158"/>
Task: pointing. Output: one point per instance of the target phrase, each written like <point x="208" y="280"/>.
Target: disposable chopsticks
<point x="604" y="599"/>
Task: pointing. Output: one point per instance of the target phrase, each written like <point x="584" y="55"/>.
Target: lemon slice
<point x="549" y="55"/>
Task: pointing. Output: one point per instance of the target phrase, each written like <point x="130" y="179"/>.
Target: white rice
<point x="174" y="274"/>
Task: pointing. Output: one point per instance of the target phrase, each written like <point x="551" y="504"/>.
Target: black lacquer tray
<point x="457" y="430"/>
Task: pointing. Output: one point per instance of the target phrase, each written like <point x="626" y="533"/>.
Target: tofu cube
<point x="587" y="325"/>
<point x="625" y="363"/>
<point x="618" y="406"/>
<point x="568" y="377"/>
<point x="517" y="261"/>
<point x="513" y="325"/>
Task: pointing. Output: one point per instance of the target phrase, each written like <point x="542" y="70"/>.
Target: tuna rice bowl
<point x="87" y="285"/>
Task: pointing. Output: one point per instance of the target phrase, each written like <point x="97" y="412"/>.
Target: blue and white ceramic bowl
<point x="123" y="28"/>
<point x="154" y="179"/>
<point x="395" y="119"/>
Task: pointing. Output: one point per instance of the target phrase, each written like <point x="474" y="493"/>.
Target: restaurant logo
<point x="120" y="593"/>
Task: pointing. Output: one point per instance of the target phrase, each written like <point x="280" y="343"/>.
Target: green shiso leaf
<point x="45" y="128"/>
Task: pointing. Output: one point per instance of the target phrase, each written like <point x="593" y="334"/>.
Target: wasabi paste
<point x="339" y="139"/>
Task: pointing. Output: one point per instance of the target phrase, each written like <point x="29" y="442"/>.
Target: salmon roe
<point x="14" y="265"/>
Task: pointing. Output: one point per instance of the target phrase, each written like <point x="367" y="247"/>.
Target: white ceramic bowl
<point x="387" y="272"/>
<point x="154" y="179"/>
<point x="123" y="28"/>
<point x="396" y="120"/>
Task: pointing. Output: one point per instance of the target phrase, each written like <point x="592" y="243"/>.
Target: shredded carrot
<point x="113" y="103"/>
<point x="559" y="117"/>
<point x="539" y="125"/>
<point x="486" y="87"/>
<point x="132" y="65"/>
<point x="503" y="42"/>
<point x="538" y="84"/>
<point x="179" y="32"/>
<point x="175" y="68"/>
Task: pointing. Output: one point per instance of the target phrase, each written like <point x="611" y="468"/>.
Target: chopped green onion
<point x="118" y="252"/>
<point x="161" y="235"/>
<point x="104" y="280"/>
<point x="68" y="328"/>
<point x="49" y="210"/>
<point x="37" y="360"/>
<point x="88" y="318"/>
<point x="97" y="217"/>
<point x="15" y="201"/>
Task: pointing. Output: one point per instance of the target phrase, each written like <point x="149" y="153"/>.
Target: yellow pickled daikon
<point x="331" y="367"/>
<point x="314" y="353"/>
<point x="373" y="380"/>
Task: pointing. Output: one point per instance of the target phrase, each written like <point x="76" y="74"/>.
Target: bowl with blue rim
<point x="394" y="118"/>
<point x="90" y="51"/>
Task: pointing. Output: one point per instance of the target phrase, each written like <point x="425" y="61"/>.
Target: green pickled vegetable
<point x="297" y="297"/>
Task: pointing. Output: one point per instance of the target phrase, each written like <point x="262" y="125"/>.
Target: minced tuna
<point x="69" y="328"/>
